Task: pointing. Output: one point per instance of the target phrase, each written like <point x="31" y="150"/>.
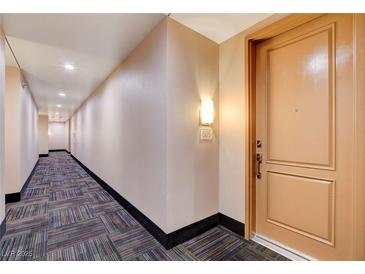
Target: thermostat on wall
<point x="206" y="133"/>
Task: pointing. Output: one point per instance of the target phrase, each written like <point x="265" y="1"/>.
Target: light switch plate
<point x="206" y="134"/>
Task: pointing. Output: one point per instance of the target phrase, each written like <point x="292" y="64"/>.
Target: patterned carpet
<point x="66" y="215"/>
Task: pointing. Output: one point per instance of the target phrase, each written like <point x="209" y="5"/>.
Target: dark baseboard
<point x="43" y="155"/>
<point x="2" y="228"/>
<point x="57" y="150"/>
<point x="16" y="197"/>
<point x="190" y="231"/>
<point x="232" y="224"/>
<point x="151" y="227"/>
<point x="168" y="240"/>
<point x="12" y="197"/>
<point x="24" y="188"/>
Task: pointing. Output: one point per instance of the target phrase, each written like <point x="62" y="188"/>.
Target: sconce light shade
<point x="207" y="112"/>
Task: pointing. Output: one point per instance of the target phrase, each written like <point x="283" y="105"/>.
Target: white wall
<point x="58" y="135"/>
<point x="43" y="134"/>
<point x="143" y="125"/>
<point x="2" y="127"/>
<point x="21" y="131"/>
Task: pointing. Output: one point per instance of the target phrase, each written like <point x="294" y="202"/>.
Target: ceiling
<point x="219" y="26"/>
<point x="94" y="44"/>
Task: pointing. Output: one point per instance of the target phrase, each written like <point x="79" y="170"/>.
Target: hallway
<point x="66" y="215"/>
<point x="182" y="137"/>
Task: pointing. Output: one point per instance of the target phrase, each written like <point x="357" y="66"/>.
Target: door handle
<point x="258" y="165"/>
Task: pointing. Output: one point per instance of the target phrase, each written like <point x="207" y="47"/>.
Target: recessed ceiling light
<point x="59" y="106"/>
<point x="62" y="94"/>
<point x="69" y="67"/>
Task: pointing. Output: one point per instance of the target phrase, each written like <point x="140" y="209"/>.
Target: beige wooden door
<point x="304" y="119"/>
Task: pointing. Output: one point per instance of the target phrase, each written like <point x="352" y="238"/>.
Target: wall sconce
<point x="206" y="112"/>
<point x="206" y="120"/>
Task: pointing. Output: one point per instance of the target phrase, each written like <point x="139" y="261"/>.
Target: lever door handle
<point x="258" y="165"/>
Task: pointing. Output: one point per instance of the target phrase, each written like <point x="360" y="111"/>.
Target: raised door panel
<point x="300" y="100"/>
<point x="302" y="204"/>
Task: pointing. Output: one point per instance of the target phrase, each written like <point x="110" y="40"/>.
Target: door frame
<point x="267" y="32"/>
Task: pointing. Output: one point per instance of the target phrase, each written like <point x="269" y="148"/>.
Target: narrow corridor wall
<point x="12" y="129"/>
<point x="28" y="134"/>
<point x="120" y="131"/>
<point x="192" y="164"/>
<point x="139" y="131"/>
<point x="21" y="131"/>
<point x="2" y="127"/>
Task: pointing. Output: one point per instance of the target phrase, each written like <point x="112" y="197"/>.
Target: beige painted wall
<point x="2" y="127"/>
<point x="67" y="125"/>
<point x="73" y="138"/>
<point x="12" y="129"/>
<point x="192" y="165"/>
<point x="43" y="134"/>
<point x="143" y="125"/>
<point x="120" y="131"/>
<point x="21" y="131"/>
<point x="28" y="134"/>
<point x="180" y="182"/>
<point x="58" y="135"/>
<point x="69" y="135"/>
<point x="232" y="122"/>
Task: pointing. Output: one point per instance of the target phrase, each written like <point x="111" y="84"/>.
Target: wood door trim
<point x="359" y="117"/>
<point x="272" y="30"/>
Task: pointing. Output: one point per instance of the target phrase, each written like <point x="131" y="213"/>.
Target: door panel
<point x="304" y="118"/>
<point x="285" y="206"/>
<point x="307" y="88"/>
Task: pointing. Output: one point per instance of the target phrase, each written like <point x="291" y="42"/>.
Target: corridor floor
<point x="66" y="215"/>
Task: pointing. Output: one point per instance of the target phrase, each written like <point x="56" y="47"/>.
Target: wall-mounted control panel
<point x="206" y="134"/>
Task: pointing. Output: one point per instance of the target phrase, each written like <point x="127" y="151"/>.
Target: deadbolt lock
<point x="258" y="143"/>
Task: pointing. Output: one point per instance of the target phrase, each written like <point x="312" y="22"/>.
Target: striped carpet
<point x="65" y="215"/>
